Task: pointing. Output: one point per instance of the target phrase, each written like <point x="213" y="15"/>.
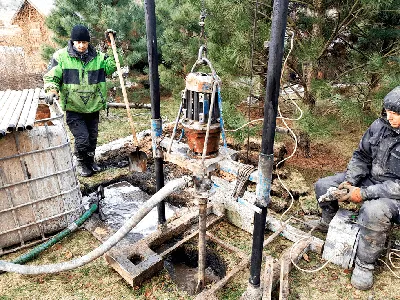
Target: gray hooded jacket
<point x="378" y="156"/>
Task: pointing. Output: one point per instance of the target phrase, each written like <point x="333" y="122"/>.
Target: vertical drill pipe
<point x="202" y="242"/>
<point x="279" y="19"/>
<point x="149" y="6"/>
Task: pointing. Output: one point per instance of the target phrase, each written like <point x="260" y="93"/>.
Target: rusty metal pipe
<point x="202" y="242"/>
<point x="25" y="111"/>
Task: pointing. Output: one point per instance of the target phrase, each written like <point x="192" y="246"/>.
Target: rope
<point x="392" y="265"/>
<point x="319" y="268"/>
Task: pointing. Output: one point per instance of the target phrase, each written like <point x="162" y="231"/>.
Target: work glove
<point x="353" y="193"/>
<point x="50" y="95"/>
<point x="107" y="35"/>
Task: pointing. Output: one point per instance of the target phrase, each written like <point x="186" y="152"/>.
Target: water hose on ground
<point x="24" y="258"/>
<point x="168" y="189"/>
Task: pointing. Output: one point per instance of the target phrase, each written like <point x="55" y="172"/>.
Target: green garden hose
<point x="39" y="249"/>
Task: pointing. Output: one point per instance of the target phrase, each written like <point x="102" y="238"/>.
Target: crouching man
<point x="373" y="180"/>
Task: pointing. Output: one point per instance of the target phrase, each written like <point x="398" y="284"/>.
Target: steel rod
<point x="152" y="55"/>
<point x="265" y="165"/>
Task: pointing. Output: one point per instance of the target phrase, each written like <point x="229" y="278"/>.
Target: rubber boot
<point x="362" y="277"/>
<point x="81" y="166"/>
<point x="91" y="163"/>
<point x="323" y="224"/>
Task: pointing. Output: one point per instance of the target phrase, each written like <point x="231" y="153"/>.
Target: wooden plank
<point x="268" y="279"/>
<point x="295" y="252"/>
<point x="293" y="234"/>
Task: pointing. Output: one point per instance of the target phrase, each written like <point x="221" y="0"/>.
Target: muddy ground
<point x="98" y="281"/>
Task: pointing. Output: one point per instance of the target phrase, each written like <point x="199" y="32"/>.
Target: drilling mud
<point x="121" y="201"/>
<point x="182" y="266"/>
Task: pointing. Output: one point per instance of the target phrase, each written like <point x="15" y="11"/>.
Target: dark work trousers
<point x="84" y="128"/>
<point x="375" y="217"/>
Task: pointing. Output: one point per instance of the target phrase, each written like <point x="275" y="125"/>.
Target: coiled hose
<point x="168" y="189"/>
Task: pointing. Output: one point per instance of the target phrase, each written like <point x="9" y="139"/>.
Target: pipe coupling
<point x="263" y="189"/>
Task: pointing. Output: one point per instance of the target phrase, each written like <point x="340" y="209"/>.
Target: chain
<point x="203" y="14"/>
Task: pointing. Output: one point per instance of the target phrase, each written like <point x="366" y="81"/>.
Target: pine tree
<point x="343" y="42"/>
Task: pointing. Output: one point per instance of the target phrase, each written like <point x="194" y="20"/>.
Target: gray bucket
<point x="39" y="192"/>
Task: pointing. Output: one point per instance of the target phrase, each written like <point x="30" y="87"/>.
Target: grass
<point x="99" y="281"/>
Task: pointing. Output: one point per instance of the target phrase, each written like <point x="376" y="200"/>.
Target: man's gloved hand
<point x="107" y="35"/>
<point x="50" y="95"/>
<point x="353" y="193"/>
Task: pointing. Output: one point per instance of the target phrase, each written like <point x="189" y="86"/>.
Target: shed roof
<point x="44" y="7"/>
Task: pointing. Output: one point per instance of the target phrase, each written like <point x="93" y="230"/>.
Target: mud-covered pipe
<point x="131" y="105"/>
<point x="168" y="189"/>
<point x="265" y="166"/>
<point x="202" y="242"/>
<point x="152" y="55"/>
<point x="24" y="258"/>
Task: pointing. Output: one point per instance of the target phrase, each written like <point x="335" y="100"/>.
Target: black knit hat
<point x="80" y="33"/>
<point x="392" y="100"/>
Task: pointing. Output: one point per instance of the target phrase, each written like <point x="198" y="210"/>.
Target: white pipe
<point x="168" y="189"/>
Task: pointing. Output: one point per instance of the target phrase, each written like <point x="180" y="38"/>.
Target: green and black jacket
<point x="80" y="79"/>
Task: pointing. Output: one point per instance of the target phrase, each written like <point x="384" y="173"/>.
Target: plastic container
<point x="39" y="191"/>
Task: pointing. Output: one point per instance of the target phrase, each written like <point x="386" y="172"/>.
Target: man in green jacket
<point x="77" y="74"/>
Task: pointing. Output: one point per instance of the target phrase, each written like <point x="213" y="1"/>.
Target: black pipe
<point x="152" y="53"/>
<point x="266" y="158"/>
<point x="256" y="253"/>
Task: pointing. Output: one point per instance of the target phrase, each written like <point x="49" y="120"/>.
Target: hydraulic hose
<point x="168" y="189"/>
<point x="39" y="249"/>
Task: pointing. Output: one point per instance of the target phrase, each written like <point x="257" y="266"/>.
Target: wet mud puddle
<point x="121" y="201"/>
